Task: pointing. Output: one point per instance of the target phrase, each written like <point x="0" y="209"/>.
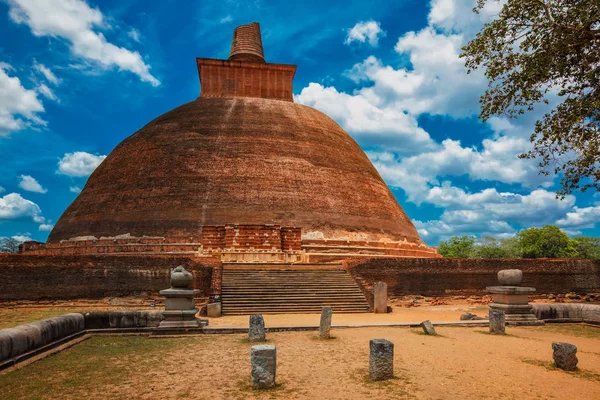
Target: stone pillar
<point x="263" y="362"/>
<point x="428" y="327"/>
<point x="380" y="297"/>
<point x="497" y="322"/>
<point x="213" y="310"/>
<point x="565" y="356"/>
<point x="256" y="330"/>
<point x="381" y="359"/>
<point x="325" y="325"/>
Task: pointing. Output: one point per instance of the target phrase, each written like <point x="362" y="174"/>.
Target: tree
<point x="588" y="247"/>
<point x="9" y="245"/>
<point x="548" y="241"/>
<point x="457" y="246"/>
<point x="489" y="247"/>
<point x="536" y="49"/>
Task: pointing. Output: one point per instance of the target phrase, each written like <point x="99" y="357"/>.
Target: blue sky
<point x="76" y="78"/>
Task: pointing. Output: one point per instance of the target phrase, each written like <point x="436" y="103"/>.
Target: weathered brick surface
<point x="247" y="44"/>
<point x="440" y="276"/>
<point x="31" y="277"/>
<point x="245" y="161"/>
<point x="220" y="78"/>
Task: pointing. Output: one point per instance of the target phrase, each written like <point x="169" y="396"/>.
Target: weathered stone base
<point x="195" y="323"/>
<point x="517" y="315"/>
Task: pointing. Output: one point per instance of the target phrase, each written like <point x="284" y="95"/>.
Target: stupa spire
<point x="246" y="44"/>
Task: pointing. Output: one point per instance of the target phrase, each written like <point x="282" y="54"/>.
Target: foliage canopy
<point x="546" y="242"/>
<point x="535" y="50"/>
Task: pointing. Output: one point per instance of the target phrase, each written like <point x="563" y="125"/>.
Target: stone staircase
<point x="283" y="291"/>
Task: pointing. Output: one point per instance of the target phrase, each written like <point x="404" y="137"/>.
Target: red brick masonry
<point x="449" y="276"/>
<point x="30" y="277"/>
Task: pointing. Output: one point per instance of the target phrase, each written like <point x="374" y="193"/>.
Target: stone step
<point x="272" y="291"/>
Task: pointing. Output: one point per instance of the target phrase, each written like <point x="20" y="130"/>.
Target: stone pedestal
<point x="380" y="297"/>
<point x="513" y="299"/>
<point x="180" y="311"/>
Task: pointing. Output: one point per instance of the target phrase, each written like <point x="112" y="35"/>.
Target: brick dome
<point x="239" y="160"/>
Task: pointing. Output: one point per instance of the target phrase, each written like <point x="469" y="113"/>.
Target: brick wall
<point x="220" y="78"/>
<point x="31" y="277"/>
<point x="446" y="276"/>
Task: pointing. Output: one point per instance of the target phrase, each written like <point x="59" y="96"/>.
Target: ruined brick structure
<point x="242" y="172"/>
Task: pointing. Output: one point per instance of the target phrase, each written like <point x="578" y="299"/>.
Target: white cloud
<point x="367" y="119"/>
<point x="29" y="183"/>
<point x="18" y="106"/>
<point x="2" y="189"/>
<point x="580" y="218"/>
<point x="15" y="207"/>
<point x="74" y="189"/>
<point x="46" y="227"/>
<point x="46" y="92"/>
<point x="79" y="163"/>
<point x="134" y="34"/>
<point x="74" y="20"/>
<point x="22" y="238"/>
<point x="368" y="31"/>
<point x="457" y="15"/>
<point x="226" y="19"/>
<point x="48" y="74"/>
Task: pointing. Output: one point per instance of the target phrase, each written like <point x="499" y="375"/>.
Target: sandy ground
<point x="461" y="363"/>
<point x="399" y="314"/>
<point x="12" y="316"/>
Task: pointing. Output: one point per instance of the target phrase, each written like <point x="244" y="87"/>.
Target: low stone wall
<point x="122" y="319"/>
<point x="15" y="342"/>
<point x="453" y="276"/>
<point x="588" y="313"/>
<point x="31" y="277"/>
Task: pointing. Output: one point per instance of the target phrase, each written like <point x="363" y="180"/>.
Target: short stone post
<point x="380" y="297"/>
<point x="428" y="327"/>
<point x="325" y="325"/>
<point x="497" y="322"/>
<point x="256" y="329"/>
<point x="381" y="359"/>
<point x="565" y="356"/>
<point x="263" y="362"/>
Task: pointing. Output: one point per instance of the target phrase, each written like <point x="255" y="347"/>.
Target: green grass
<point x="102" y="361"/>
<point x="18" y="316"/>
<point x="579" y="373"/>
<point x="579" y="330"/>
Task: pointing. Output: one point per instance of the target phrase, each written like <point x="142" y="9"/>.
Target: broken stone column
<point x="256" y="330"/>
<point x="380" y="297"/>
<point x="565" y="356"/>
<point x="428" y="327"/>
<point x="325" y="325"/>
<point x="381" y="359"/>
<point x="213" y="310"/>
<point x="263" y="361"/>
<point x="497" y="322"/>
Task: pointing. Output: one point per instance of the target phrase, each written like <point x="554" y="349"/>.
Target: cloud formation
<point x="30" y="184"/>
<point x="367" y="31"/>
<point x="79" y="164"/>
<point x="74" y="21"/>
<point x="19" y="107"/>
<point x="15" y="207"/>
